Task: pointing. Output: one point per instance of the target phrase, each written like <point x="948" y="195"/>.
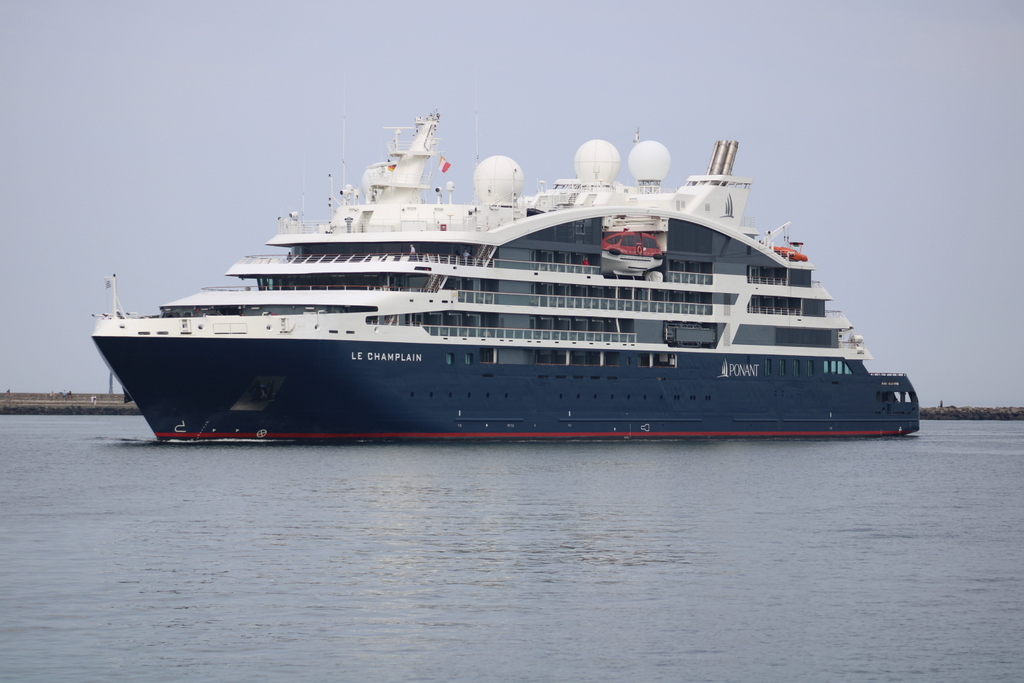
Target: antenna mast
<point x="476" y="121"/>
<point x="115" y="304"/>
<point x="343" y="169"/>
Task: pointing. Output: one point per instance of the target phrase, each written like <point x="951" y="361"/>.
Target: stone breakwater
<point x="75" y="404"/>
<point x="113" y="404"/>
<point x="970" y="413"/>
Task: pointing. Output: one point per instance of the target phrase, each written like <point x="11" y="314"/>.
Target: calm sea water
<point x="123" y="559"/>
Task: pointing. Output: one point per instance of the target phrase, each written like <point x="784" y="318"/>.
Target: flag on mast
<point x="443" y="165"/>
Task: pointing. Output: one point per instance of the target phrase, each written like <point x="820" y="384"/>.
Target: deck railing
<point x="542" y="266"/>
<point x="294" y="226"/>
<point x="686" y="278"/>
<point x="583" y="302"/>
<point x="773" y="310"/>
<point x="752" y="280"/>
<point x="673" y="276"/>
<point x="518" y="333"/>
<point x="337" y="259"/>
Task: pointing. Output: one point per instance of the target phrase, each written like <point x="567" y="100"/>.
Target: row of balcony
<point x="582" y="302"/>
<point x="503" y="333"/>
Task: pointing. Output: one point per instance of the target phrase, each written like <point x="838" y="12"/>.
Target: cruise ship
<point x="594" y="309"/>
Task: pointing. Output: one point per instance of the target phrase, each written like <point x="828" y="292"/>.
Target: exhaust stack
<point x="723" y="157"/>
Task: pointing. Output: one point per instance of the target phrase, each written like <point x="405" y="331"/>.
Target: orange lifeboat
<point x="791" y="254"/>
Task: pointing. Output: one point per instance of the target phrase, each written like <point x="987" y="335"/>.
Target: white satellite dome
<point x="498" y="180"/>
<point x="364" y="182"/>
<point x="649" y="160"/>
<point x="374" y="175"/>
<point x="597" y="161"/>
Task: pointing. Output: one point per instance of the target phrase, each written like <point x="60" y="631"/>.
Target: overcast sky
<point x="161" y="141"/>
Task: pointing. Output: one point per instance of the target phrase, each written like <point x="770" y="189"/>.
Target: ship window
<point x="657" y="360"/>
<point x="469" y="359"/>
<point x="799" y="278"/>
<point x="488" y="356"/>
<point x="551" y="357"/>
<point x="664" y="360"/>
<point x="810" y="368"/>
<point x="836" y="367"/>
<point x="796" y="367"/>
<point x="449" y="358"/>
<point x="782" y="367"/>
<point x="803" y="336"/>
<point x="767" y="367"/>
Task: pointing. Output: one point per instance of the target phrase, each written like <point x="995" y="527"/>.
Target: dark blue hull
<point x="299" y="389"/>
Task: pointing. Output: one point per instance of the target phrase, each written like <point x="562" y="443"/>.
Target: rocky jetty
<point x="114" y="404"/>
<point x="971" y="413"/>
<point x="67" y="404"/>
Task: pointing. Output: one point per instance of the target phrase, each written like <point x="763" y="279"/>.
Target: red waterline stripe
<point x="505" y="435"/>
